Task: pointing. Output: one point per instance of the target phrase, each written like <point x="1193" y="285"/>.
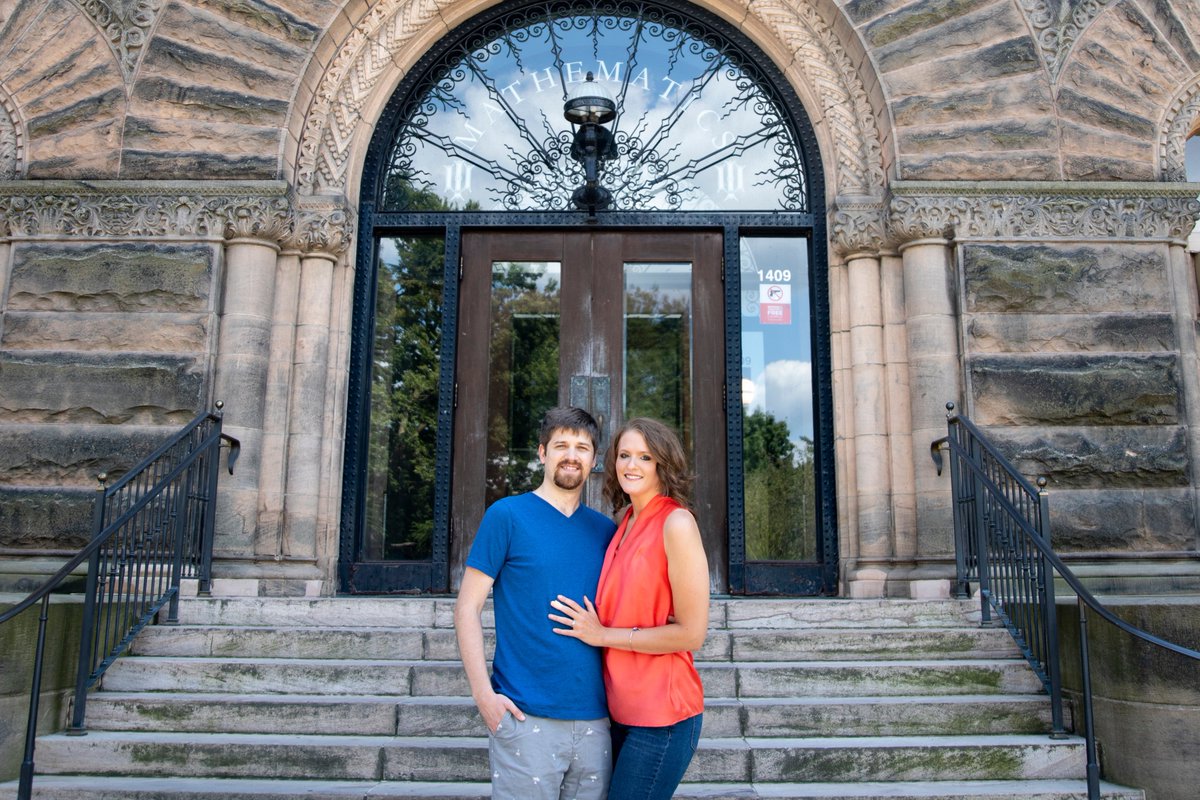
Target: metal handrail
<point x="1002" y="541"/>
<point x="151" y="528"/>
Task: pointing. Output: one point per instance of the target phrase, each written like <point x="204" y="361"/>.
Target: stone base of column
<point x="924" y="582"/>
<point x="267" y="578"/>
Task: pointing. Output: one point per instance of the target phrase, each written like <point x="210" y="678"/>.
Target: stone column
<point x="1183" y="277"/>
<point x="858" y="234"/>
<point x="935" y="377"/>
<point x="323" y="233"/>
<point x="871" y="454"/>
<point x="843" y="417"/>
<point x="242" y="364"/>
<point x="307" y="413"/>
<point x="273" y="485"/>
<point x="899" y="425"/>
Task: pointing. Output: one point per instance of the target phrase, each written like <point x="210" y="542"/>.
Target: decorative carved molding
<point x="373" y="49"/>
<point x="1142" y="211"/>
<point x="1181" y="120"/>
<point x="196" y="210"/>
<point x="1057" y="26"/>
<point x="858" y="226"/>
<point x="845" y="108"/>
<point x="11" y="155"/>
<point x="126" y="25"/>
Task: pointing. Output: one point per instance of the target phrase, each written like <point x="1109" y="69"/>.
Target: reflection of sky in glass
<point x="776" y="341"/>
<point x="689" y="123"/>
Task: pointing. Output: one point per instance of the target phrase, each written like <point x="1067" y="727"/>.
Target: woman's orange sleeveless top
<point x="644" y="689"/>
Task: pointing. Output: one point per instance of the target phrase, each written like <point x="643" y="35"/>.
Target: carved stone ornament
<point x="10" y="140"/>
<point x="1141" y="211"/>
<point x="126" y="25"/>
<point x="858" y="227"/>
<point x="370" y="54"/>
<point x="262" y="210"/>
<point x="1057" y="26"/>
<point x="1182" y="119"/>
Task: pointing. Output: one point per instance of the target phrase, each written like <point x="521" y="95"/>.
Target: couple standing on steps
<point x="590" y="624"/>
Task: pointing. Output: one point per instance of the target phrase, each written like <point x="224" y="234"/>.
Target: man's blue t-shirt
<point x="534" y="553"/>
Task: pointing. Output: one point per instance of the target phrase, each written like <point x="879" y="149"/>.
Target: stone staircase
<point x="263" y="699"/>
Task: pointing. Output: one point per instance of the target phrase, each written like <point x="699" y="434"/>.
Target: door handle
<point x="593" y="393"/>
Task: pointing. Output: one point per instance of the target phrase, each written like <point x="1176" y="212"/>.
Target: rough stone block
<point x="1029" y="165"/>
<point x="1017" y="98"/>
<point x="1075" y="389"/>
<point x="1087" y="457"/>
<point x="917" y="18"/>
<point x="73" y="455"/>
<point x="962" y="32"/>
<point x="1070" y="333"/>
<point x="49" y="519"/>
<point x="100" y="387"/>
<point x="165" y="149"/>
<point x="150" y="333"/>
<point x="111" y="277"/>
<point x="1123" y="520"/>
<point x="998" y="135"/>
<point x="1066" y="278"/>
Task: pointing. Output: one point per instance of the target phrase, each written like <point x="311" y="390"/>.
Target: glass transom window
<point x="696" y="128"/>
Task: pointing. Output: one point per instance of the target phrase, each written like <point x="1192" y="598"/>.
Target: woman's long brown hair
<point x="664" y="445"/>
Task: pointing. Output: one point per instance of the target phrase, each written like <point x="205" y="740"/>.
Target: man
<point x="544" y="704"/>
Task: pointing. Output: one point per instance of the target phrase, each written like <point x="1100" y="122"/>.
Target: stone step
<point x="389" y="758"/>
<point x="425" y="678"/>
<point x="438" y="612"/>
<point x="456" y="716"/>
<point x="440" y="644"/>
<point x="99" y="788"/>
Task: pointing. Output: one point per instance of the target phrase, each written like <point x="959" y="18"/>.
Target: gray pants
<point x="550" y="759"/>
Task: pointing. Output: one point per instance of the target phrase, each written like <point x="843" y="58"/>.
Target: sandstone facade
<point x="1008" y="221"/>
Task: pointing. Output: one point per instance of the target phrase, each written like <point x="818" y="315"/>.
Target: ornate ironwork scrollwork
<point x="698" y="126"/>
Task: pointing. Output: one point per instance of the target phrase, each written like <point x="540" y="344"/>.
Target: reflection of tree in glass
<point x="780" y="492"/>
<point x="658" y="359"/>
<point x="404" y="392"/>
<point x="523" y="373"/>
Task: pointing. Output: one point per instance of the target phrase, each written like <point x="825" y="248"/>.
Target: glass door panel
<point x="522" y="371"/>
<point x="779" y="460"/>
<point x="658" y="345"/>
<point x="398" y="513"/>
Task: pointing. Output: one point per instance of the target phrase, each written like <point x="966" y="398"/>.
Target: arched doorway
<point x="697" y="293"/>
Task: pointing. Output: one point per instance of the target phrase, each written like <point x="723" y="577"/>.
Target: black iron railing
<point x="152" y="528"/>
<point x="1002" y="543"/>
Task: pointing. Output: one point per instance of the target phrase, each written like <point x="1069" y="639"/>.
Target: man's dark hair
<point x="569" y="418"/>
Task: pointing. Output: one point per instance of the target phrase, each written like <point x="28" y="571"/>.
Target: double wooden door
<point x="621" y="323"/>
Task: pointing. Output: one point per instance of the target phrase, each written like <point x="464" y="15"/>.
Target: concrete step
<point x="723" y="644"/>
<point x="425" y="678"/>
<point x="389" y="758"/>
<point x="99" y="788"/>
<point x="438" y="612"/>
<point x="456" y="716"/>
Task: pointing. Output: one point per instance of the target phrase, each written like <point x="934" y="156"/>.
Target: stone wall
<point x="1074" y="363"/>
<point x="104" y="351"/>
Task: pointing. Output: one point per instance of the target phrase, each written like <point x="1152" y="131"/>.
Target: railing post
<point x="1089" y="735"/>
<point x="1050" y="617"/>
<point x="25" y="784"/>
<point x="208" y="505"/>
<point x="981" y="533"/>
<point x="88" y="631"/>
<point x="179" y="524"/>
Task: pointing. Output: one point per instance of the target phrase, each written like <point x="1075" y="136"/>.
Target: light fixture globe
<point x="588" y="101"/>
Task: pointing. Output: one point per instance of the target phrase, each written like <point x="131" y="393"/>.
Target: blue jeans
<point x="648" y="763"/>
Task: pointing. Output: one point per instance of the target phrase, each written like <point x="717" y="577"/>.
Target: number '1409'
<point x="775" y="275"/>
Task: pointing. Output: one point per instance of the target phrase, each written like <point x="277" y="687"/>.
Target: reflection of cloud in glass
<point x="690" y="125"/>
<point x="784" y="390"/>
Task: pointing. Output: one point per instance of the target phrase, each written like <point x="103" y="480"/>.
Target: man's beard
<point x="571" y="481"/>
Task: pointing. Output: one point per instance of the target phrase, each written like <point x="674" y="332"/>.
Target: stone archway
<point x="391" y="36"/>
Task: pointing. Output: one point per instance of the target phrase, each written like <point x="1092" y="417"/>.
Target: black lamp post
<point x="589" y="105"/>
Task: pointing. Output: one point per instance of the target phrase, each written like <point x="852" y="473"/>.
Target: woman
<point x="651" y="611"/>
